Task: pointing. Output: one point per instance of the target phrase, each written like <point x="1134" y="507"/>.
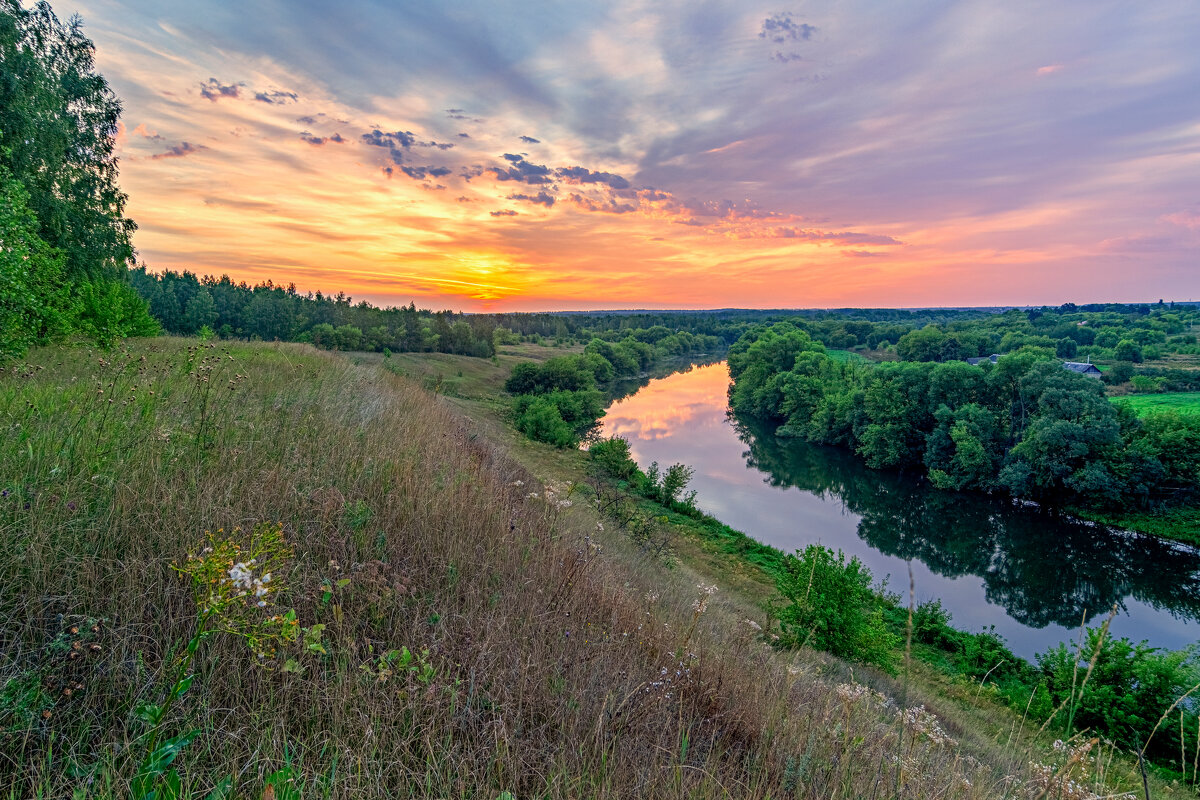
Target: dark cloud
<point x="421" y="173"/>
<point x="530" y="140"/>
<point x="843" y="237"/>
<point x="240" y="203"/>
<point x="781" y="28"/>
<point x="464" y="199"/>
<point x="505" y="213"/>
<point x="395" y="142"/>
<point x="214" y="90"/>
<point x="337" y="138"/>
<point x="464" y="136"/>
<point x="861" y="254"/>
<point x="438" y="145"/>
<point x="540" y="198"/>
<point x="521" y="171"/>
<point x="584" y="175"/>
<point x="306" y="120"/>
<point x="276" y="97"/>
<point x="180" y="150"/>
<point x="378" y="138"/>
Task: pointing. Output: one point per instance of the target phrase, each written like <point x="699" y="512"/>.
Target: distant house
<point x="1083" y="368"/>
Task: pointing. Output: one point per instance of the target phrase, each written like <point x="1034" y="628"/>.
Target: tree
<point x="1127" y="350"/>
<point x="58" y="126"/>
<point x="200" y="311"/>
<point x="34" y="303"/>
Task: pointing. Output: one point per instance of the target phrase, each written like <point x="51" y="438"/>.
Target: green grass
<point x="549" y="667"/>
<point x="845" y="355"/>
<point x="1188" y="402"/>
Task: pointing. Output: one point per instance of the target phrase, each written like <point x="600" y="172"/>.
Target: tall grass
<point x="476" y="641"/>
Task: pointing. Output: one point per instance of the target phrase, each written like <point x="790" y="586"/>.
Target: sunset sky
<point x="521" y="156"/>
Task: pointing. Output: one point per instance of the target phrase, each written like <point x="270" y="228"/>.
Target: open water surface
<point x="1030" y="573"/>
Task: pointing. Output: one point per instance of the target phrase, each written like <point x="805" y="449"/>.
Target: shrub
<point x="612" y="457"/>
<point x="541" y="421"/>
<point x="828" y="603"/>
<point x="34" y="302"/>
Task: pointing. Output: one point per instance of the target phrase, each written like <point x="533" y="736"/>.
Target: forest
<point x="1024" y="425"/>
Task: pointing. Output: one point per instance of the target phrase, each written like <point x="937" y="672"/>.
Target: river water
<point x="1029" y="573"/>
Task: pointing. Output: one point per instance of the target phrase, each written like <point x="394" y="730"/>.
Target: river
<point x="1029" y="573"/>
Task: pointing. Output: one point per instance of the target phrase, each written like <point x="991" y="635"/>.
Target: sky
<point x="498" y="156"/>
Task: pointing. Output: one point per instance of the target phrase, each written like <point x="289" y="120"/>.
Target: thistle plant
<point x="235" y="586"/>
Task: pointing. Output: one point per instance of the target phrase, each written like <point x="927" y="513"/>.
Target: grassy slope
<point x="558" y="671"/>
<point x="711" y="551"/>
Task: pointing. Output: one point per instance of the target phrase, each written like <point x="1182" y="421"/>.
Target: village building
<point x="1086" y="368"/>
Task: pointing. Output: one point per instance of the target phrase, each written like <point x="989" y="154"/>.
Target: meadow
<point x="463" y="627"/>
<point x="1188" y="402"/>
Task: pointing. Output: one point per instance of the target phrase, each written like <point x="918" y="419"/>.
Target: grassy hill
<point x="464" y="627"/>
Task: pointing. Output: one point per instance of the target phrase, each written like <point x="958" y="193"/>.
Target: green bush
<point x="1131" y="686"/>
<point x="612" y="457"/>
<point x="541" y="421"/>
<point x="829" y="604"/>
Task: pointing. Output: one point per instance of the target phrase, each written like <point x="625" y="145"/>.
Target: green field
<point x="845" y="355"/>
<point x="1175" y="401"/>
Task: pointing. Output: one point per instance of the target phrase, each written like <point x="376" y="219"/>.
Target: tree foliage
<point x="1024" y="425"/>
<point x="58" y="126"/>
<point x="64" y="238"/>
<point x="829" y="604"/>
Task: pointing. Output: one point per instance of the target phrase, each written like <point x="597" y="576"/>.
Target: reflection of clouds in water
<point x="1027" y="573"/>
<point x="664" y="407"/>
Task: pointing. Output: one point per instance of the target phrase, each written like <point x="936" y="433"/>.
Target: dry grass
<point x="557" y="670"/>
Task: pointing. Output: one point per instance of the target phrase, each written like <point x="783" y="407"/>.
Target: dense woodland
<point x="1025" y="425"/>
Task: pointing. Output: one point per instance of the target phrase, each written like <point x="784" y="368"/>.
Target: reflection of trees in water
<point x="625" y="387"/>
<point x="1040" y="567"/>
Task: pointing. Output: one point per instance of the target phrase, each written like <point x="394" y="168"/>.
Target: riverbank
<point x="947" y="660"/>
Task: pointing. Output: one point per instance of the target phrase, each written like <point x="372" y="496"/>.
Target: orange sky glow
<point x="626" y="159"/>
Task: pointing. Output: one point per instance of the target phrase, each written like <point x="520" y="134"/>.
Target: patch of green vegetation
<point x="846" y="355"/>
<point x="1143" y="404"/>
<point x="1181" y="524"/>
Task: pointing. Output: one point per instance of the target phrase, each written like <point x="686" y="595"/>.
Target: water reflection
<point x="1031" y="573"/>
<point x="1041" y="567"/>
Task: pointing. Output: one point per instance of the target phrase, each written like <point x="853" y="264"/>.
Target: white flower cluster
<point x="921" y="721"/>
<point x="853" y="692"/>
<point x="241" y="575"/>
<point x="700" y="604"/>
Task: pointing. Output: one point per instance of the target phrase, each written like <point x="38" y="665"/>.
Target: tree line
<point x="1024" y="426"/>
